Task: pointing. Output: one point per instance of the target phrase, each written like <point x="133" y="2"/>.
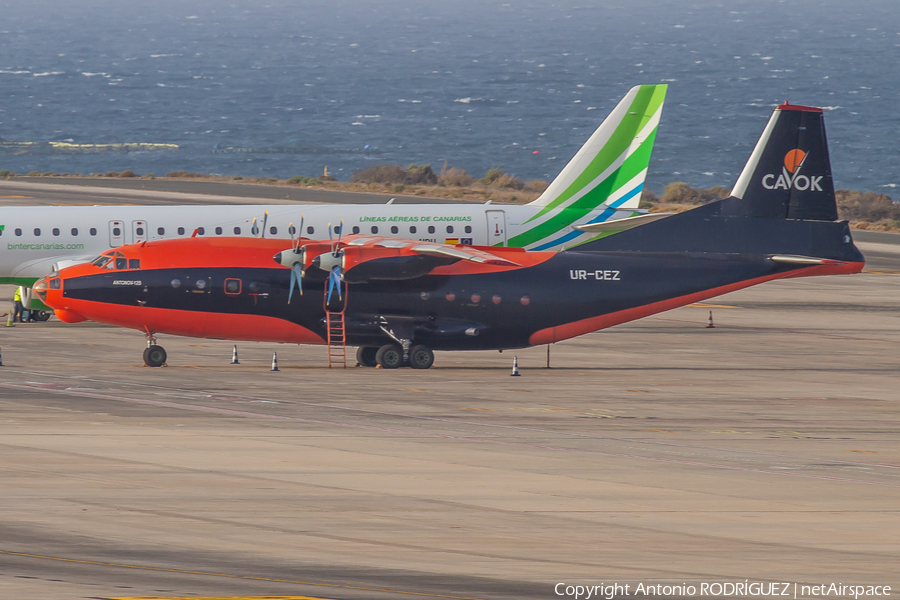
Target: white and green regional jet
<point x="597" y="193"/>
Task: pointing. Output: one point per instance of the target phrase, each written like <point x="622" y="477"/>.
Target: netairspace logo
<point x="738" y="589"/>
<point x="790" y="176"/>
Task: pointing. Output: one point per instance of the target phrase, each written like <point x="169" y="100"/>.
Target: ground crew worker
<point x="17" y="315"/>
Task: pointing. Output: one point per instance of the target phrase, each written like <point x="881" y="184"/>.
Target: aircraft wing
<point x="621" y="224"/>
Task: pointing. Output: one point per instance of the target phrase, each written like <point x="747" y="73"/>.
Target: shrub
<point x="112" y="174"/>
<point x="454" y="176"/>
<point x="497" y="178"/>
<point x="866" y="206"/>
<point x="537" y="185"/>
<point x="412" y="175"/>
<point x="380" y="174"/>
<point x="5" y="173"/>
<point x="298" y="179"/>
<point x="237" y="178"/>
<point x="648" y="199"/>
<point x="127" y="173"/>
<point x="681" y="193"/>
<point x="33" y="174"/>
<point x="399" y="187"/>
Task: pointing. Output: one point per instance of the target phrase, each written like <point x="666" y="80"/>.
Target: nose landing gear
<point x="154" y="355"/>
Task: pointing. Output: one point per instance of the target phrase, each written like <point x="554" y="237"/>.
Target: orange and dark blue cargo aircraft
<point x="399" y="300"/>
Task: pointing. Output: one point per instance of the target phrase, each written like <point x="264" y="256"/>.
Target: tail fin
<point x="612" y="165"/>
<point x="783" y="203"/>
<point x="788" y="175"/>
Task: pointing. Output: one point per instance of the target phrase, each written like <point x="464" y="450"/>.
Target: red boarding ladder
<point x="336" y="333"/>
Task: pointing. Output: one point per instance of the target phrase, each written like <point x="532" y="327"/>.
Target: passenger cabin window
<point x="74" y="231"/>
<point x="116" y="232"/>
<point x="273" y="230"/>
<point x="291" y="230"/>
<point x="374" y="228"/>
<point x="355" y="229"/>
<point x="139" y="231"/>
<point x="412" y="228"/>
<point x="310" y="230"/>
<point x="449" y="228"/>
<point x="395" y="229"/>
<point x="218" y="231"/>
<point x="93" y="231"/>
<point x="37" y="231"/>
<point x="160" y="231"/>
<point x="337" y="228"/>
<point x="56" y="231"/>
<point x="181" y="231"/>
<point x="134" y="263"/>
<point x="431" y="229"/>
<point x="18" y="231"/>
<point x="468" y="229"/>
<point x="237" y="231"/>
<point x="201" y="231"/>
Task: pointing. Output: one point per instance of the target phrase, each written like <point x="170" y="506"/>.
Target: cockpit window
<point x="100" y="261"/>
<point x="121" y="263"/>
<point x="134" y="263"/>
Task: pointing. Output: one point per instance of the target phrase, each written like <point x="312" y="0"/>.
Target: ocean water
<point x="475" y="83"/>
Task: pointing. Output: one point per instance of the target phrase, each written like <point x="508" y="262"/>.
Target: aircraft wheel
<point x="365" y="356"/>
<point x="155" y="356"/>
<point x="421" y="357"/>
<point x="42" y="315"/>
<point x="389" y="356"/>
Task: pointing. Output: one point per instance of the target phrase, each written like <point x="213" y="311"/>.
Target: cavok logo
<point x="790" y="176"/>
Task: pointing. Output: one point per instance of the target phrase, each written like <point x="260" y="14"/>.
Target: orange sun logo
<point x="793" y="160"/>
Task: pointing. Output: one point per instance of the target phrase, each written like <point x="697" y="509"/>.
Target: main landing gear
<point x="154" y="355"/>
<point x="390" y="356"/>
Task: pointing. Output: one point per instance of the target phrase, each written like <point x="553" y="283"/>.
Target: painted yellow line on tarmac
<point x="232" y="576"/>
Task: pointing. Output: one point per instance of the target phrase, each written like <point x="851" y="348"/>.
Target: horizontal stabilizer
<point x="620" y="224"/>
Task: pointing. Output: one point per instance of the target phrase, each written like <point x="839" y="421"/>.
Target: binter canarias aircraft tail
<point x="606" y="174"/>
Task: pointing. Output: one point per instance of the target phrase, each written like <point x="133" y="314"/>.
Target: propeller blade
<point x="296" y="277"/>
<point x="334" y="281"/>
<point x="340" y="233"/>
<point x="291" y="232"/>
<point x="300" y="233"/>
<point x="265" y="220"/>
<point x="253" y="228"/>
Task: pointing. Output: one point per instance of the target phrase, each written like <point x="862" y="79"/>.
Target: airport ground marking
<point x="422" y="434"/>
<point x="230" y="576"/>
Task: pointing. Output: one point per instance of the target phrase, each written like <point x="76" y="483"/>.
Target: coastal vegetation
<point x="864" y="210"/>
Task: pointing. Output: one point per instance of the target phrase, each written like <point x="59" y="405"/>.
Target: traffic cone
<point x="515" y="371"/>
<point x="275" y="361"/>
<point x="234" y="359"/>
<point x="9" y="319"/>
<point x="710" y="324"/>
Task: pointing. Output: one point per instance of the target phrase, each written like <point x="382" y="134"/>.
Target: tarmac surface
<point x="765" y="449"/>
<point x="73" y="191"/>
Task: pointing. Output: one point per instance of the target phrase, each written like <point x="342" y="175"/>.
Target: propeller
<point x="265" y="220"/>
<point x="334" y="281"/>
<point x="253" y="228"/>
<point x="299" y="257"/>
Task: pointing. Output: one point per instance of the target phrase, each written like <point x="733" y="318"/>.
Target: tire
<point x="389" y="356"/>
<point x="154" y="356"/>
<point x="365" y="356"/>
<point x="421" y="357"/>
<point x="42" y="315"/>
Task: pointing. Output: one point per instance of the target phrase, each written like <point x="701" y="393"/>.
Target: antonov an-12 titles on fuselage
<point x="601" y="184"/>
<point x="399" y="300"/>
